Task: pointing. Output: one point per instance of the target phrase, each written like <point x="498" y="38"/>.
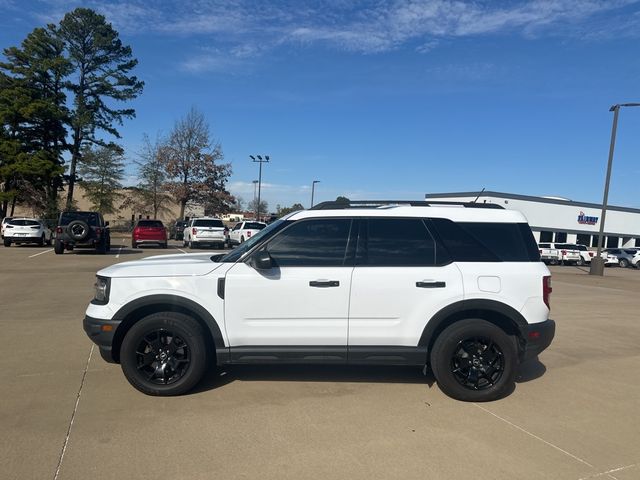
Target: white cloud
<point x="244" y="29"/>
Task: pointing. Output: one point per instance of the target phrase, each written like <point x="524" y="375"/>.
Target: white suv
<point x="463" y="292"/>
<point x="205" y="231"/>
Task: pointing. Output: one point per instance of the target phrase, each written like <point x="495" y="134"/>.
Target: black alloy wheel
<point x="624" y="263"/>
<point x="164" y="354"/>
<point x="475" y="361"/>
<point x="163" y="357"/>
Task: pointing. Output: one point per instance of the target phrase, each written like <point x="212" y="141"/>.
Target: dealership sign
<point x="586" y="220"/>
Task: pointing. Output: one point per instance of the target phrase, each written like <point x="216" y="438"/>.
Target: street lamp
<point x="597" y="263"/>
<point x="255" y="189"/>
<point x="259" y="160"/>
<point x="313" y="188"/>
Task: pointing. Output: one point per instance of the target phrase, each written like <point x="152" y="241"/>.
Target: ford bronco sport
<point x="457" y="287"/>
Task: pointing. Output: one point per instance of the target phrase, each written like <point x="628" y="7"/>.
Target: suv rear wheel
<point x="475" y="361"/>
<point x="58" y="247"/>
<point x="164" y="354"/>
<point x="7" y="242"/>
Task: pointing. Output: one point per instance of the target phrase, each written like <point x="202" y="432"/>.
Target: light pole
<point x="597" y="263"/>
<point x="313" y="188"/>
<point x="259" y="160"/>
<point x="255" y="189"/>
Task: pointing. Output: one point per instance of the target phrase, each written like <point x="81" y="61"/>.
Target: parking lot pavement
<point x="67" y="414"/>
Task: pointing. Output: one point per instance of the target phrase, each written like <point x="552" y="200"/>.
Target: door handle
<point x="431" y="284"/>
<point x="324" y="283"/>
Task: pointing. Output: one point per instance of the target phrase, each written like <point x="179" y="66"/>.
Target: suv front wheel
<point x="475" y="361"/>
<point x="164" y="354"/>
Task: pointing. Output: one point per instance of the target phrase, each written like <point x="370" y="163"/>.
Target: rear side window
<point x="208" y="223"/>
<point x="89" y="217"/>
<point x="487" y="242"/>
<point x="400" y="242"/>
<point x="318" y="243"/>
<point x="150" y="223"/>
<point x="254" y="226"/>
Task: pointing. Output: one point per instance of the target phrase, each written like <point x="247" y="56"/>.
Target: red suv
<point x="149" y="231"/>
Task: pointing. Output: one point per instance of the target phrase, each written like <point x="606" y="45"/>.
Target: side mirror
<point x="262" y="260"/>
<point x="106" y="224"/>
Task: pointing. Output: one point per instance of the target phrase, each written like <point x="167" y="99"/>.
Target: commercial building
<point x="554" y="219"/>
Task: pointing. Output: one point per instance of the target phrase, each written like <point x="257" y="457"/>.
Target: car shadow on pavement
<point x="530" y="370"/>
<point x="115" y="250"/>
<point x="217" y="378"/>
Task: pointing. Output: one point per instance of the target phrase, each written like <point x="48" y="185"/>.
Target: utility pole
<point x="259" y="160"/>
<point x="255" y="189"/>
<point x="313" y="188"/>
<point x="597" y="263"/>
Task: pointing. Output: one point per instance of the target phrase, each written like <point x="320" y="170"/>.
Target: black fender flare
<point x="491" y="310"/>
<point x="128" y="314"/>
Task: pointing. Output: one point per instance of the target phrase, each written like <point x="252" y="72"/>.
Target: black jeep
<point x="82" y="229"/>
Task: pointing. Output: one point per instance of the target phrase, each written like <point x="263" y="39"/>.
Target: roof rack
<point x="398" y="203"/>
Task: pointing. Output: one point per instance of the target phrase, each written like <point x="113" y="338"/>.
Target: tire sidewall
<point x="447" y="342"/>
<point x="184" y="326"/>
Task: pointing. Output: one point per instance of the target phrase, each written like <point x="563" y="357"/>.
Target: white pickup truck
<point x="565" y="253"/>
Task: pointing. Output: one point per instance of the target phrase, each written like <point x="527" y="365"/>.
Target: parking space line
<point x="46" y="251"/>
<point x="73" y="415"/>
<point x="609" y="472"/>
<point x="180" y="249"/>
<point x="535" y="436"/>
<point x="119" y="250"/>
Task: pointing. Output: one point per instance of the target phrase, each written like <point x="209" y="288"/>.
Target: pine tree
<point x="101" y="72"/>
<point x="102" y="171"/>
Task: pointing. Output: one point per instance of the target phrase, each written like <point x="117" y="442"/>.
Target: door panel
<point x="389" y="308"/>
<point x="280" y="307"/>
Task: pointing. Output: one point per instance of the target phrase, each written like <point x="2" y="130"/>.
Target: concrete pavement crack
<point x="73" y="415"/>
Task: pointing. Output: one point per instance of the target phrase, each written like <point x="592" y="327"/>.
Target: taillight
<point x="98" y="230"/>
<point x="194" y="231"/>
<point x="58" y="229"/>
<point x="564" y="252"/>
<point x="546" y="290"/>
<point x="249" y="233"/>
<point x="591" y="254"/>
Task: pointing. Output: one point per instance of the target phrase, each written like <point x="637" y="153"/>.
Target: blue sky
<point x="387" y="98"/>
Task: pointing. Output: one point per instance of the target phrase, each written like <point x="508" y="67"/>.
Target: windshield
<point x="208" y="223"/>
<point x="24" y="223"/>
<point x="243" y="248"/>
<point x="150" y="224"/>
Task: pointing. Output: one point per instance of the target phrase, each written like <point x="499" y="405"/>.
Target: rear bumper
<point x="101" y="332"/>
<point x="537" y="337"/>
<point x="22" y="239"/>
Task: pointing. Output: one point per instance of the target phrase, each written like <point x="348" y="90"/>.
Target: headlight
<point x="102" y="290"/>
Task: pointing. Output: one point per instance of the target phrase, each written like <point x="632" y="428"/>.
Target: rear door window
<point x="208" y="223"/>
<point x="401" y="242"/>
<point x="150" y="224"/>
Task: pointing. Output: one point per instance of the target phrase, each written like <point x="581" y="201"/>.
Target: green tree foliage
<point x="101" y="73"/>
<point x="282" y="211"/>
<point x="101" y="171"/>
<point x="192" y="163"/>
<point x="32" y="119"/>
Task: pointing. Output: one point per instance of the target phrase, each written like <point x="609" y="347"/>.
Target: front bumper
<point x="537" y="337"/>
<point x="101" y="332"/>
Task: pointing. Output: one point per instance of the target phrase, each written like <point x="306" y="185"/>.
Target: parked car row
<point x="575" y="254"/>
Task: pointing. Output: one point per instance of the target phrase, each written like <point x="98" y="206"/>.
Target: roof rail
<point x="398" y="203"/>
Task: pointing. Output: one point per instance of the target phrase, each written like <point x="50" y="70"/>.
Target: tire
<point x="582" y="262"/>
<point x="101" y="248"/>
<point x="165" y="245"/>
<point x="108" y="244"/>
<point x="78" y="230"/>
<point x="241" y="239"/>
<point x="49" y="242"/>
<point x="554" y="262"/>
<point x="42" y="241"/>
<point x="7" y="242"/>
<point x="462" y="342"/>
<point x="179" y="339"/>
<point x="58" y="247"/>
<point x="191" y="245"/>
<point x="624" y="263"/>
<point x="134" y="244"/>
